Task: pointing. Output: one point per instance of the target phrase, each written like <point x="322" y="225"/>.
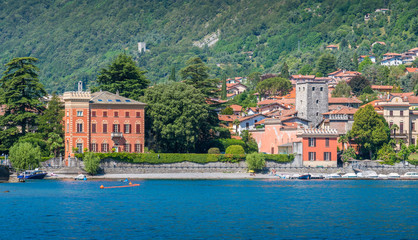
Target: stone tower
<point x="142" y="47"/>
<point x="312" y="101"/>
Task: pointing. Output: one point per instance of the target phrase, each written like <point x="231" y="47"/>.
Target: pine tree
<point x="172" y="76"/>
<point x="223" y="93"/>
<point x="22" y="93"/>
<point x="196" y="74"/>
<point x="285" y="71"/>
<point x="355" y="61"/>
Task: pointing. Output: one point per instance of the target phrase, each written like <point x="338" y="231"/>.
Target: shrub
<point x="214" y="151"/>
<point x="91" y="162"/>
<point x="235" y="149"/>
<point x="280" y="158"/>
<point x="23" y="155"/>
<point x="348" y="154"/>
<point x="256" y="161"/>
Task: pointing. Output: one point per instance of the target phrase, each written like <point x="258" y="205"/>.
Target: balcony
<point x="116" y="135"/>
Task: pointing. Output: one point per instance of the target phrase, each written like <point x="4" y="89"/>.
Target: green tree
<point x="255" y="161"/>
<point x="355" y="61"/>
<point x="253" y="79"/>
<point x="366" y="62"/>
<point x="370" y="130"/>
<point x="177" y="114"/>
<point x="24" y="155"/>
<point x="387" y="154"/>
<point x="305" y="70"/>
<point x="223" y="91"/>
<point x="358" y="84"/>
<point x="344" y="61"/>
<point x="50" y="121"/>
<point x="123" y="75"/>
<point x="236" y="123"/>
<point x="342" y="90"/>
<point x="274" y="86"/>
<point x="227" y="111"/>
<point x="251" y="144"/>
<point x="196" y="74"/>
<point x="348" y="154"/>
<point x="326" y="64"/>
<point x="285" y="71"/>
<point x="235" y="149"/>
<point x="91" y="163"/>
<point x="21" y="96"/>
<point x="172" y="76"/>
<point x="55" y="143"/>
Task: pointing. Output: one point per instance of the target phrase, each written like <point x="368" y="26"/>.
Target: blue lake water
<point x="210" y="209"/>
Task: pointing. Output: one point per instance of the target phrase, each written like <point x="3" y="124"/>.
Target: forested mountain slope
<point x="73" y="39"/>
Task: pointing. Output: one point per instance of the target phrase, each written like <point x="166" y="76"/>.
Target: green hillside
<point x="74" y="39"/>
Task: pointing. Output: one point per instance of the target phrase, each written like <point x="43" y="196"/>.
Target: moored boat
<point x="349" y="175"/>
<point x="334" y="175"/>
<point x="413" y="175"/>
<point x="393" y="176"/>
<point x="32" y="174"/>
<point x="81" y="177"/>
<point x="305" y="176"/>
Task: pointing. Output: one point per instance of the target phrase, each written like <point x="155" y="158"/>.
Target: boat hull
<point x="34" y="176"/>
<point x="305" y="177"/>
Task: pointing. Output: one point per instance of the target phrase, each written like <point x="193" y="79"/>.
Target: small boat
<point x="305" y="176"/>
<point x="81" y="177"/>
<point x="410" y="175"/>
<point x="334" y="175"/>
<point x="317" y="176"/>
<point x="32" y="174"/>
<point x="349" y="175"/>
<point x="382" y="176"/>
<point x="294" y="176"/>
<point x="394" y="176"/>
<point x="367" y="174"/>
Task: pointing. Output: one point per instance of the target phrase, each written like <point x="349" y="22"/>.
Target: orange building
<point x="319" y="147"/>
<point x="102" y="121"/>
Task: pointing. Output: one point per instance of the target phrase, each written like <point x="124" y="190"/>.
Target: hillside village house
<point x="362" y="57"/>
<point x="102" y="121"/>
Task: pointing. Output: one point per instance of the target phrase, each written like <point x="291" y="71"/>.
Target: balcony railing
<point x="116" y="134"/>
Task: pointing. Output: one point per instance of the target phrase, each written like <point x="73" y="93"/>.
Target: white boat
<point x="334" y="175"/>
<point x="349" y="175"/>
<point x="393" y="175"/>
<point x="368" y="174"/>
<point x="382" y="176"/>
<point x="81" y="177"/>
<point x="410" y="175"/>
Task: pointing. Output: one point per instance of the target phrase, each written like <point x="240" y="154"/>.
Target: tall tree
<point x="370" y="130"/>
<point x="342" y="90"/>
<point x="285" y="71"/>
<point x="358" y="84"/>
<point x="344" y="61"/>
<point x="172" y="74"/>
<point x="50" y="121"/>
<point x="223" y="93"/>
<point x="21" y="96"/>
<point x="355" y="61"/>
<point x="123" y="75"/>
<point x="326" y="64"/>
<point x="177" y="115"/>
<point x="253" y="79"/>
<point x="196" y="74"/>
<point x="366" y="62"/>
<point x="274" y="86"/>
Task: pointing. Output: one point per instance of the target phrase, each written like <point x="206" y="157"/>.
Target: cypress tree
<point x="285" y="71"/>
<point x="172" y="76"/>
<point x="223" y="93"/>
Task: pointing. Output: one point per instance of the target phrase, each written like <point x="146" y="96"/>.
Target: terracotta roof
<point x="236" y="137"/>
<point x="336" y="106"/>
<point x="105" y="97"/>
<point x="227" y="118"/>
<point x="413" y="99"/>
<point x="332" y="46"/>
<point x="392" y="54"/>
<point x="343" y="100"/>
<point x="412" y="70"/>
<point x="303" y="76"/>
<point x="267" y="102"/>
<point x="260" y="122"/>
<point x="230" y="94"/>
<point x="236" y="108"/>
<point x="346" y="110"/>
<point x="381" y="87"/>
<point x="414" y="49"/>
<point x="254" y="109"/>
<point x="291" y="94"/>
<point x="249" y="117"/>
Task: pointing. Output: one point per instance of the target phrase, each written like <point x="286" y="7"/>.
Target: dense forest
<point x="73" y="39"/>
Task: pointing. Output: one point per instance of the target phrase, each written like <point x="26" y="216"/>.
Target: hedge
<point x="155" y="158"/>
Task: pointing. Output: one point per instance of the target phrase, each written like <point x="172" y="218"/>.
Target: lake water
<point x="210" y="209"/>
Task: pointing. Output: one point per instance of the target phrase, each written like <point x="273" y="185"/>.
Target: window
<point x="401" y="113"/>
<point x="391" y="113"/>
<point x="138" y="148"/>
<point x="247" y="125"/>
<point x="116" y="114"/>
<point x="79" y="148"/>
<point x="138" y="128"/>
<point x="93" y="113"/>
<point x="79" y="127"/>
<point x="79" y="113"/>
<point x="116" y="128"/>
<point x="127" y="114"/>
<point x="413" y="141"/>
<point x="127" y="147"/>
<point x="138" y="114"/>
<point x="68" y="127"/>
<point x="93" y="128"/>
<point x="413" y="126"/>
<point x="327" y="156"/>
<point x="317" y="101"/>
<point x="99" y="100"/>
<point x="104" y="114"/>
<point x="94" y="147"/>
<point x="317" y="113"/>
<point x="312" y="142"/>
<point x="272" y="150"/>
<point x="321" y="89"/>
<point x="105" y="147"/>
<point x="401" y="127"/>
<point x="68" y="113"/>
<point x="326" y="142"/>
<point x="104" y="128"/>
<point x="313" y="88"/>
<point x="127" y="128"/>
<point x="312" y="156"/>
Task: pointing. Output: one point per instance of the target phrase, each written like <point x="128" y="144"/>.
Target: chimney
<point x="117" y="92"/>
<point x="80" y="86"/>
